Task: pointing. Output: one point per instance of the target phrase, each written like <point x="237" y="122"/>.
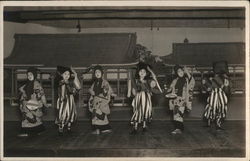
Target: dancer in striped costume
<point x="142" y="90"/>
<point x="66" y="108"/>
<point x="181" y="91"/>
<point x="217" y="102"/>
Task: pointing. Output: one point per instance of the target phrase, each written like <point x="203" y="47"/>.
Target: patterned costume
<point x="182" y="87"/>
<point x="99" y="104"/>
<point x="32" y="100"/>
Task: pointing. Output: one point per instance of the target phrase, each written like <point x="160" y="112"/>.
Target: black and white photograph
<point x="133" y="80"/>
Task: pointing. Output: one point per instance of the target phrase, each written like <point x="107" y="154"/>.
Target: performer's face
<point x="30" y="76"/>
<point x="180" y="72"/>
<point x="98" y="74"/>
<point x="66" y="75"/>
<point x="142" y="73"/>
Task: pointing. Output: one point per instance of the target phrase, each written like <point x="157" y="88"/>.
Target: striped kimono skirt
<point x="142" y="107"/>
<point x="216" y="108"/>
<point x="66" y="110"/>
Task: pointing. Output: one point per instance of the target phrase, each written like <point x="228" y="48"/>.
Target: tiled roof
<point x="79" y="50"/>
<point x="206" y="53"/>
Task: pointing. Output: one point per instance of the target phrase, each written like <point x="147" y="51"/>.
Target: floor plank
<point x="196" y="141"/>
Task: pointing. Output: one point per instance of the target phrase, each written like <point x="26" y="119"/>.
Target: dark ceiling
<point x="94" y="17"/>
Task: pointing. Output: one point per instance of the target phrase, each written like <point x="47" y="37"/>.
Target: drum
<point x="171" y="96"/>
<point x="33" y="105"/>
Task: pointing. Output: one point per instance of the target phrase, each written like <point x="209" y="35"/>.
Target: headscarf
<point x="180" y="81"/>
<point x="29" y="87"/>
<point x="98" y="81"/>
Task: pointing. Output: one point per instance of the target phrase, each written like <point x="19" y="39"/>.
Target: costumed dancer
<point x="141" y="88"/>
<point x="101" y="93"/>
<point x="181" y="92"/>
<point x="31" y="104"/>
<point x="218" y="88"/>
<point x="68" y="86"/>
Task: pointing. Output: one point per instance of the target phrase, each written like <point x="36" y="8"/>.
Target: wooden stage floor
<point x="196" y="141"/>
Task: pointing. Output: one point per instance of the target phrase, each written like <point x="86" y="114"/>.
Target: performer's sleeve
<point x="21" y="89"/>
<point x="41" y="93"/>
<point x="191" y="83"/>
<point x="23" y="93"/>
<point x="171" y="87"/>
<point x="129" y="82"/>
<point x="189" y="95"/>
<point x="110" y="91"/>
<point x="227" y="89"/>
<point x="100" y="115"/>
<point x="133" y="85"/>
<point x="105" y="109"/>
<point x="37" y="113"/>
<point x="77" y="83"/>
<point x="91" y="90"/>
<point x="43" y="97"/>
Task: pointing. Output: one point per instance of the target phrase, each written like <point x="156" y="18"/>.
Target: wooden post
<point x="79" y="93"/>
<point x="118" y="82"/>
<point x="12" y="84"/>
<point x="15" y="81"/>
<point x="53" y="90"/>
<point x="234" y="79"/>
<point x="41" y="78"/>
<point x="105" y="73"/>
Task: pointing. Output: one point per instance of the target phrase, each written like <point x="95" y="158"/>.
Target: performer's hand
<point x="62" y="99"/>
<point x="152" y="73"/>
<point x="73" y="70"/>
<point x="113" y="95"/>
<point x="185" y="69"/>
<point x="24" y="96"/>
<point x="226" y="82"/>
<point x="92" y="93"/>
<point x="46" y="105"/>
<point x="203" y="81"/>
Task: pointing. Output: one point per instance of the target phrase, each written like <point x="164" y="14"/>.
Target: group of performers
<point x="141" y="87"/>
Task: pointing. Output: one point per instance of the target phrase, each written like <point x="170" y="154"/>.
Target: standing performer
<point x="67" y="88"/>
<point x="101" y="93"/>
<point x="181" y="92"/>
<point x="142" y="90"/>
<point x="217" y="102"/>
<point x="32" y="101"/>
